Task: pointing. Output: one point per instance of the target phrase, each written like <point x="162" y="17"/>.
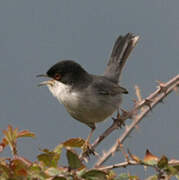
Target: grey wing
<point x="120" y="52"/>
<point x="106" y="87"/>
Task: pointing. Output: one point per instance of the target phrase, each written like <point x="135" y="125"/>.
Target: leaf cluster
<point x="49" y="167"/>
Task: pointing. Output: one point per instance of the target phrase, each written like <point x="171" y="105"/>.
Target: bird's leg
<point x="87" y="147"/>
<point x="90" y="135"/>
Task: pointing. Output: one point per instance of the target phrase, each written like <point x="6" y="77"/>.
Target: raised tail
<point x="120" y="52"/>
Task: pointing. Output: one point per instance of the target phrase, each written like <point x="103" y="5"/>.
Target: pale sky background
<point x="36" y="34"/>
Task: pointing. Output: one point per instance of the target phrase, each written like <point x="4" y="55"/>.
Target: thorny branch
<point x="162" y="175"/>
<point x="147" y="104"/>
<point x="144" y="106"/>
<point x="134" y="163"/>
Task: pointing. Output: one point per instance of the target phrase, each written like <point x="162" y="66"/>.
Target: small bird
<point x="91" y="98"/>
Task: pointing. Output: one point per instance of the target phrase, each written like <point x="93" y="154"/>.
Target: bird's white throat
<point x="63" y="93"/>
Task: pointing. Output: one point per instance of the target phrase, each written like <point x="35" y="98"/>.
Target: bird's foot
<point x="87" y="149"/>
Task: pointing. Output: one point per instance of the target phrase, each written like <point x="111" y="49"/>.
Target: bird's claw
<point x="88" y="149"/>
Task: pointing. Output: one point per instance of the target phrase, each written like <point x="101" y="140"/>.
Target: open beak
<point x="45" y="83"/>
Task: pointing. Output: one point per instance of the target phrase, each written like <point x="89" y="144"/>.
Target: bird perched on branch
<point x="91" y="98"/>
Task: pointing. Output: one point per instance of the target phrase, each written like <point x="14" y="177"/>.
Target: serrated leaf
<point x="171" y="171"/>
<point x="163" y="162"/>
<point x="24" y="160"/>
<point x="3" y="144"/>
<point x="36" y="172"/>
<point x="58" y="149"/>
<point x="94" y="175"/>
<point x="5" y="171"/>
<point x="10" y="138"/>
<point x="81" y="172"/>
<point x="73" y="160"/>
<point x="111" y="175"/>
<point x="10" y="135"/>
<point x="74" y="143"/>
<point x="49" y="158"/>
<point x="35" y="168"/>
<point x="176" y="167"/>
<point x="19" y="167"/>
<point x="150" y="158"/>
<point x="25" y="133"/>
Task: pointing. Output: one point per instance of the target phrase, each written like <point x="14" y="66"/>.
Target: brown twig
<point x="135" y="163"/>
<point x="151" y="101"/>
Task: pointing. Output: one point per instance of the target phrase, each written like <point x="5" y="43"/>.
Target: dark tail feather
<point x="120" y="52"/>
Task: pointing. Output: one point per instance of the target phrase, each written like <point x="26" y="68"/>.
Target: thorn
<point x="138" y="93"/>
<point x="124" y="112"/>
<point x="119" y="122"/>
<point x="162" y="87"/>
<point x="148" y="103"/>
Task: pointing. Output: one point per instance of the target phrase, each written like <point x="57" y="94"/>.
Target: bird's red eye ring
<point x="57" y="76"/>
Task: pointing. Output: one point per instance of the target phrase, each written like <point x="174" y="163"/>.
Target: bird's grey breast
<point x="88" y="105"/>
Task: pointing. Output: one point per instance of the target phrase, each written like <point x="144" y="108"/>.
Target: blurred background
<point x="36" y="34"/>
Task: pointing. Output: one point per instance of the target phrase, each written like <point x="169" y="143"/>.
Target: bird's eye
<point x="57" y="76"/>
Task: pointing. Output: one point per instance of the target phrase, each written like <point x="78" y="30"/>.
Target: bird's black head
<point x="67" y="72"/>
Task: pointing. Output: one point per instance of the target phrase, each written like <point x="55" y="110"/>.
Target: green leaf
<point x="19" y="168"/>
<point x="10" y="136"/>
<point x="58" y="149"/>
<point x="171" y="170"/>
<point x="4" y="171"/>
<point x="176" y="167"/>
<point x="73" y="160"/>
<point x="35" y="168"/>
<point x="49" y="158"/>
<point x="163" y="162"/>
<point x="81" y="172"/>
<point x="53" y="171"/>
<point x="36" y="172"/>
<point x="94" y="175"/>
<point x="74" y="143"/>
